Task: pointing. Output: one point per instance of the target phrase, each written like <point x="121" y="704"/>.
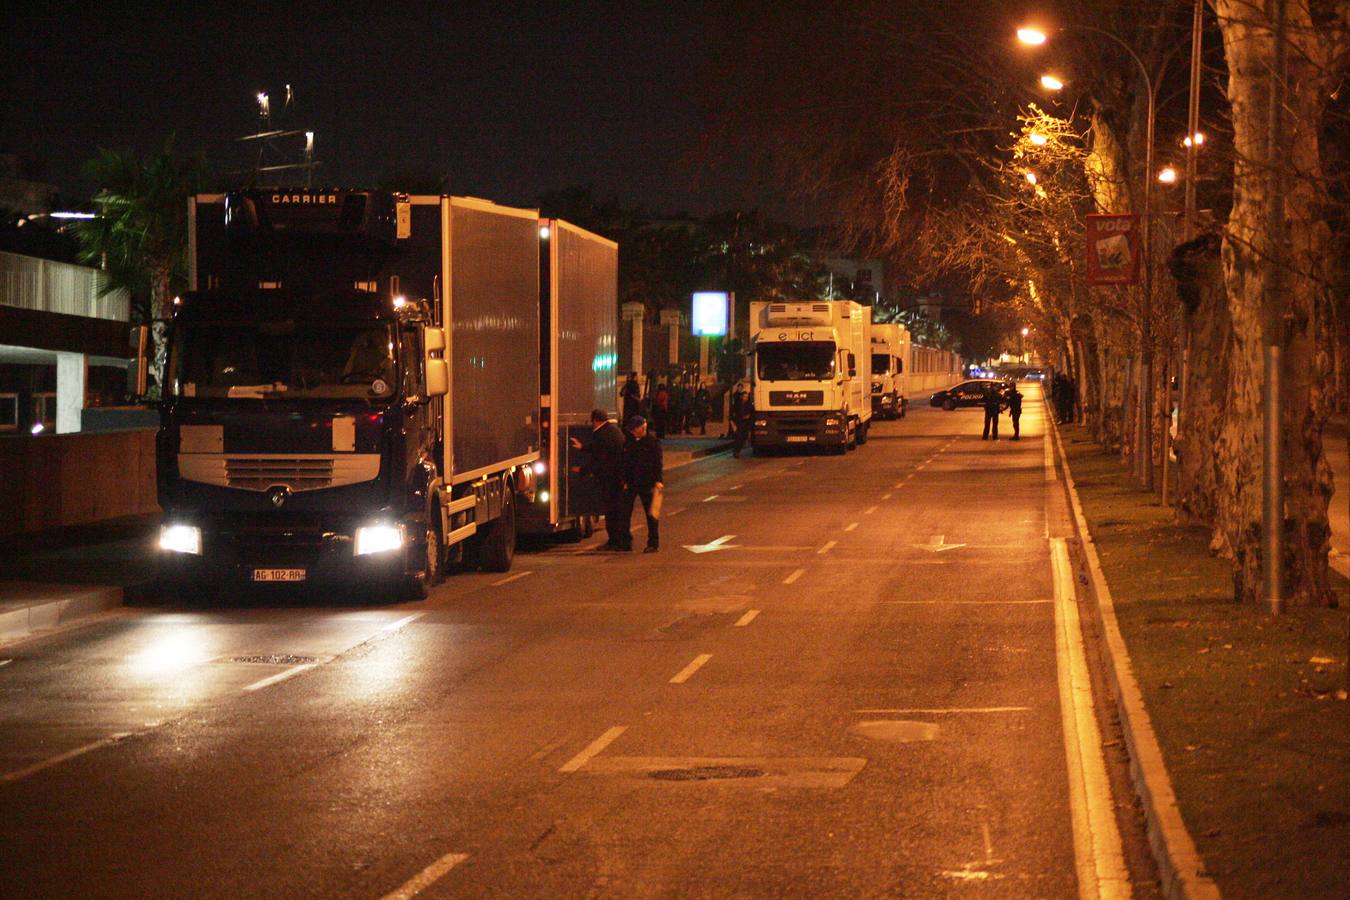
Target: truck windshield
<point x="804" y="361"/>
<point x="283" y="359"/>
<point x="881" y="363"/>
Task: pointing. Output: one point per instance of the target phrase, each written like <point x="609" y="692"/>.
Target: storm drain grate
<point x="275" y="659"/>
<point x="706" y="773"/>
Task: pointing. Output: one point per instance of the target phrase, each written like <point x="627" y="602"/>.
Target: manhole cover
<point x="275" y="659"/>
<point x="706" y="773"/>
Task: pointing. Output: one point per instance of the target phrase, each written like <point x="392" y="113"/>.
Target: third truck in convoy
<point x="890" y="349"/>
<point x="811" y="368"/>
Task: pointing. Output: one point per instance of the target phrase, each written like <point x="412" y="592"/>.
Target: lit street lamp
<point x="1036" y="37"/>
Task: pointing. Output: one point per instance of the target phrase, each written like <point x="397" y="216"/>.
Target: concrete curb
<point x="677" y="458"/>
<point x="58" y="609"/>
<point x="1179" y="864"/>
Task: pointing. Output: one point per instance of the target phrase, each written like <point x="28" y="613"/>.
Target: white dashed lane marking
<point x="688" y="671"/>
<point x="794" y="576"/>
<point x="593" y="748"/>
<point x="747" y="618"/>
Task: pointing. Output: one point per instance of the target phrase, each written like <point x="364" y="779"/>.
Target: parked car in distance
<point x="967" y="393"/>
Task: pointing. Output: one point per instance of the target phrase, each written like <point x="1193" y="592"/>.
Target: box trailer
<point x="578" y="350"/>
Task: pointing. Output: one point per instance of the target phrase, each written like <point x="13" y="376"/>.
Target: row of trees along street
<point x="922" y="125"/>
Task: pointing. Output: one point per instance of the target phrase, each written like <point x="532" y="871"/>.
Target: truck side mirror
<point x="437" y="369"/>
<point x="852" y="366"/>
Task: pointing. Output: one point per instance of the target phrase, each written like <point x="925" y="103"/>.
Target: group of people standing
<point x="671" y="407"/>
<point x="627" y="466"/>
<point x="996" y="400"/>
<point x="1063" y="396"/>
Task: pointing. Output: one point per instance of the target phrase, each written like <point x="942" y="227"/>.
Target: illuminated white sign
<point x="710" y="314"/>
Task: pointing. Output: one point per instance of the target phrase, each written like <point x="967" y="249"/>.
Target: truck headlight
<point x="761" y="423"/>
<point x="378" y="539"/>
<point x="832" y="420"/>
<point x="181" y="539"/>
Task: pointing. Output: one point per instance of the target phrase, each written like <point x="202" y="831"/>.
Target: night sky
<point x="509" y="100"/>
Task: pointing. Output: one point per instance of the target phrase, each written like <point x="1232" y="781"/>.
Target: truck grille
<point x="261" y="474"/>
<point x="261" y="471"/>
<point x="798" y="425"/>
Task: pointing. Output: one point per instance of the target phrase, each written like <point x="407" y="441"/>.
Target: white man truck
<point x="890" y="349"/>
<point x="811" y="364"/>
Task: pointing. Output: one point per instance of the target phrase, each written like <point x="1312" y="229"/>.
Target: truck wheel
<point x="429" y="558"/>
<point x="862" y="433"/>
<point x="904" y="408"/>
<point x="498" y="547"/>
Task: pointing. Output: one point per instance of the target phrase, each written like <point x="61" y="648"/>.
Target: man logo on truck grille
<point x="278" y="495"/>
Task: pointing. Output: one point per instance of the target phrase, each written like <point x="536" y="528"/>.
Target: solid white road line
<point x="594" y="748"/>
<point x="869" y="510"/>
<point x="406" y="620"/>
<point x="427" y="877"/>
<point x="747" y="618"/>
<point x="829" y="545"/>
<point x="922" y="711"/>
<point x="794" y="576"/>
<point x="18" y="774"/>
<point x="1097" y="850"/>
<point x="510" y="578"/>
<point x="850" y="526"/>
<point x="967" y="602"/>
<point x="280" y="676"/>
<point x="688" y="671"/>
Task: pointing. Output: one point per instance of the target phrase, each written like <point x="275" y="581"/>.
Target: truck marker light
<point x="539" y="467"/>
<point x="542" y="497"/>
<point x="181" y="539"/>
<point x="377" y="539"/>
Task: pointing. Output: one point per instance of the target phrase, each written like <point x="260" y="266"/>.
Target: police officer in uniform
<point x="993" y="403"/>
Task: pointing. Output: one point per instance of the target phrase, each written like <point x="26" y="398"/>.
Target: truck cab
<point x="810" y="374"/>
<point x="890" y="346"/>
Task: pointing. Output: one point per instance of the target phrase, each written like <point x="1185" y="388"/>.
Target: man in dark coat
<point x="742" y="417"/>
<point x="631" y="395"/>
<point x="993" y="403"/>
<point x="1015" y="411"/>
<point x="605" y="464"/>
<point x="642" y="477"/>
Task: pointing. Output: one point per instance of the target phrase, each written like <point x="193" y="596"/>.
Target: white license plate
<point x="798" y="438"/>
<point x="278" y="574"/>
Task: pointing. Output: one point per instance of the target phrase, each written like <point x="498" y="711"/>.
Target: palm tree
<point x="140" y="234"/>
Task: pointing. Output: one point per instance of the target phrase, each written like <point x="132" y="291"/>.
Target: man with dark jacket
<point x="631" y="395"/>
<point x="742" y="418"/>
<point x="993" y="403"/>
<point x="605" y="465"/>
<point x="642" y="477"/>
<point x="1015" y="411"/>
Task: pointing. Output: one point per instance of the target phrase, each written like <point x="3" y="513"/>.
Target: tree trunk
<point x="1301" y="327"/>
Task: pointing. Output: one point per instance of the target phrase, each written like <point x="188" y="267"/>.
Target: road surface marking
<point x="675" y="512"/>
<point x="595" y="747"/>
<point x="988" y="843"/>
<point x="901" y="483"/>
<point x="711" y="497"/>
<point x="850" y="526"/>
<point x="719" y="544"/>
<point x="688" y="671"/>
<point x="747" y="618"/>
<point x="510" y="578"/>
<point x="18" y="774"/>
<point x="735" y="487"/>
<point x="869" y="510"/>
<point x="427" y="877"/>
<point x="794" y="576"/>
<point x="829" y="545"/>
<point x="922" y="711"/>
<point x="1096" y="846"/>
<point x="938" y="544"/>
<point x="968" y="602"/>
<point x="280" y="676"/>
<point x="886" y="496"/>
<point x="5" y="662"/>
<point x="395" y="626"/>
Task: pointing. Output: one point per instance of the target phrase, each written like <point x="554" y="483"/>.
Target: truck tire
<point x="862" y="433"/>
<point x="904" y="409"/>
<point x="498" y="547"/>
<point x="429" y="556"/>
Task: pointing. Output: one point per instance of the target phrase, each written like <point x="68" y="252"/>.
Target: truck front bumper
<point x="238" y="551"/>
<point x="810" y="429"/>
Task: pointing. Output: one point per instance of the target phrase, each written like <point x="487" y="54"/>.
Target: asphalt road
<point x="838" y="677"/>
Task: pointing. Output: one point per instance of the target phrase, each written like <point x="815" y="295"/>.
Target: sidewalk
<point x="1249" y="711"/>
<point x="51" y="578"/>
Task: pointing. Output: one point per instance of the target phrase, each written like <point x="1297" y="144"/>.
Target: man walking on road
<point x="643" y="477"/>
<point x="605" y="466"/>
<point x="1015" y="411"/>
<point x="742" y="418"/>
<point x="992" y="404"/>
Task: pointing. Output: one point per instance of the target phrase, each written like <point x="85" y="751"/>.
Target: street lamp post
<point x="1144" y="429"/>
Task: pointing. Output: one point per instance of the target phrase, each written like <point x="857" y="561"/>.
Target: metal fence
<point x="40" y="284"/>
